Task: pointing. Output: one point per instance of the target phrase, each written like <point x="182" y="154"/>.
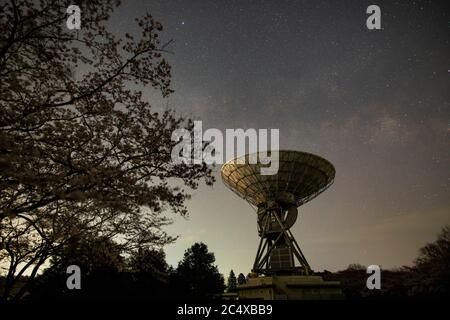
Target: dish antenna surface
<point x="301" y="177"/>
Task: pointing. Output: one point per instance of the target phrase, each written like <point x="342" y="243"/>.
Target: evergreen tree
<point x="232" y="282"/>
<point x="196" y="276"/>
<point x="241" y="279"/>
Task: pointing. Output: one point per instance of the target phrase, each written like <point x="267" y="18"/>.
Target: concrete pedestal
<point x="290" y="288"/>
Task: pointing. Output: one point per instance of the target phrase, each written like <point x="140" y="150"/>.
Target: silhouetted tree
<point x="196" y="276"/>
<point x="105" y="273"/>
<point x="100" y="263"/>
<point x="241" y="279"/>
<point x="429" y="277"/>
<point x="149" y="274"/>
<point x="356" y="266"/>
<point x="146" y="260"/>
<point x="89" y="253"/>
<point x="232" y="282"/>
<point x="432" y="267"/>
<point x="79" y="144"/>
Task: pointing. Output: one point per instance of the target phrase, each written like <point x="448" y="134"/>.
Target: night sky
<point x="376" y="103"/>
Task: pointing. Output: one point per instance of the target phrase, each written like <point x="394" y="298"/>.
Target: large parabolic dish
<point x="301" y="174"/>
<point x="300" y="177"/>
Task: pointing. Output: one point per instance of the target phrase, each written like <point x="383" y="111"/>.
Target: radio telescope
<point x="301" y="177"/>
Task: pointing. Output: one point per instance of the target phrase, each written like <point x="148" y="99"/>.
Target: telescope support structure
<point x="278" y="250"/>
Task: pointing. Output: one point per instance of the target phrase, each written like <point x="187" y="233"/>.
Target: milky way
<point x="376" y="103"/>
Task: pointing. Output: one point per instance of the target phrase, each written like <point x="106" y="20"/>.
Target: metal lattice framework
<point x="301" y="177"/>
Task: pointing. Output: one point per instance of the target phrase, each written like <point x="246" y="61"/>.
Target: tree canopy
<point x="232" y="282"/>
<point x="241" y="279"/>
<point x="81" y="149"/>
<point x="196" y="276"/>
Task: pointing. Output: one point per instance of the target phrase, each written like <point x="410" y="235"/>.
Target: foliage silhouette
<point x="81" y="150"/>
<point x="241" y="279"/>
<point x="145" y="274"/>
<point x="232" y="282"/>
<point x="196" y="277"/>
<point x="429" y="277"/>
